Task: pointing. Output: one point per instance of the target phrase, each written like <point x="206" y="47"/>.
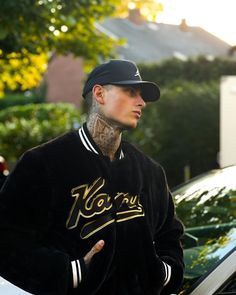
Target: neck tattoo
<point x="105" y="135"/>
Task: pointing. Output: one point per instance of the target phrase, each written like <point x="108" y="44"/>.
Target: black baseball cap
<point x="123" y="73"/>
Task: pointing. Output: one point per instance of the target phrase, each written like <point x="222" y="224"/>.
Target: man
<point x="88" y="213"/>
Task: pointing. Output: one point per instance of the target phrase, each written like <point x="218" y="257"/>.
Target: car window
<point x="201" y="259"/>
<point x="209" y="199"/>
<point x="207" y="207"/>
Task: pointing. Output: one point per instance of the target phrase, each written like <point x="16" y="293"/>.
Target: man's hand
<point x="96" y="248"/>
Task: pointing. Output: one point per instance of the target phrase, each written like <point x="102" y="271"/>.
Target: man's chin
<point x="126" y="125"/>
<point x="129" y="126"/>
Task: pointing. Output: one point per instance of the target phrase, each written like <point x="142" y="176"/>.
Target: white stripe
<point x="81" y="137"/>
<point x="166" y="270"/>
<point x="74" y="273"/>
<point x="168" y="273"/>
<point x="88" y="142"/>
<point x="121" y="154"/>
<point x="79" y="269"/>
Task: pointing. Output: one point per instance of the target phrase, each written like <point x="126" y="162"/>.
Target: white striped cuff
<point x="167" y="272"/>
<point x="76" y="273"/>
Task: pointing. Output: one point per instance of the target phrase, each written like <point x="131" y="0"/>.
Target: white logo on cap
<point x="137" y="74"/>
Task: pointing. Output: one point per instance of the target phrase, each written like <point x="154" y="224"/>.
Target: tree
<point x="21" y="70"/>
<point x="31" y="29"/>
<point x="182" y="129"/>
<point x="149" y="9"/>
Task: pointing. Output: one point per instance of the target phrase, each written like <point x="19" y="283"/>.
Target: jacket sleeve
<point x="25" y="219"/>
<point x="167" y="241"/>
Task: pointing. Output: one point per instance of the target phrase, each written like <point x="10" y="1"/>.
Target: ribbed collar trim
<point x="89" y="143"/>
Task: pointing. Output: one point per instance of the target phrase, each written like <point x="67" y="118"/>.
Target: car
<point x="207" y="206"/>
<point x="6" y="288"/>
<point x="3" y="170"/>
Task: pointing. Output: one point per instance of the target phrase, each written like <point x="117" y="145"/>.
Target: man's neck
<point x="105" y="135"/>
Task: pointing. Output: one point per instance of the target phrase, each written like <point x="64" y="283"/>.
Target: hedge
<point x="23" y="127"/>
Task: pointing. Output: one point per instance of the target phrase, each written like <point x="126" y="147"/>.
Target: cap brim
<point x="149" y="90"/>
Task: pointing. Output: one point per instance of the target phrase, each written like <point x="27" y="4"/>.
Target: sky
<point x="216" y="16"/>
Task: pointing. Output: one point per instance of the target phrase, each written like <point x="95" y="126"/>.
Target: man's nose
<point x="141" y="101"/>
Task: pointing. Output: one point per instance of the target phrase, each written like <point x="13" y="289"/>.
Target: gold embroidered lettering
<point x="86" y="204"/>
<point x="90" y="202"/>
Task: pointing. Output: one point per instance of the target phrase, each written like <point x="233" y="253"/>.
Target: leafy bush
<point x="181" y="129"/>
<point x="13" y="99"/>
<point x="199" y="70"/>
<point x="23" y="127"/>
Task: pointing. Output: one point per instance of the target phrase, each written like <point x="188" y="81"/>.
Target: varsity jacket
<point x="64" y="196"/>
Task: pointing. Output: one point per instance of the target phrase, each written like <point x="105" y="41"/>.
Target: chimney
<point x="183" y="25"/>
<point x="135" y="16"/>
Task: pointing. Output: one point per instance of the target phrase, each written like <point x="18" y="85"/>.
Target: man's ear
<point x="98" y="93"/>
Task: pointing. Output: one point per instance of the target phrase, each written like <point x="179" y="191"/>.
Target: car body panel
<point x="6" y="288"/>
<point x="217" y="277"/>
<point x="207" y="206"/>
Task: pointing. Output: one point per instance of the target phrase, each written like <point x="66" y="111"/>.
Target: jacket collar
<point x="91" y="146"/>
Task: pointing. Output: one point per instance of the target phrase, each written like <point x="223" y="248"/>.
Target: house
<point x="64" y="79"/>
<point x="153" y="42"/>
<point x="145" y="42"/>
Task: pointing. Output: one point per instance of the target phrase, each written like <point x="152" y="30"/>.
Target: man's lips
<point x="138" y="113"/>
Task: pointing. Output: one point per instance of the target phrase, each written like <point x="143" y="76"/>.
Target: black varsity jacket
<point x="64" y="196"/>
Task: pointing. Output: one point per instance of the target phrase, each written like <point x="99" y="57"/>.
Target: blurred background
<point x="188" y="48"/>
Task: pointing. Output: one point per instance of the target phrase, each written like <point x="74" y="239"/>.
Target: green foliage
<point x="30" y="30"/>
<point x="182" y="129"/>
<point x="149" y="10"/>
<point x="12" y="99"/>
<point x="59" y="25"/>
<point x="199" y="70"/>
<point x="23" y="127"/>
